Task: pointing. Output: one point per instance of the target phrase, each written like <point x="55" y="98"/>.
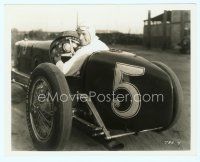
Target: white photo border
<point x="5" y="99"/>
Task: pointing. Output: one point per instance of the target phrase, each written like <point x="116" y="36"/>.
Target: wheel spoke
<point x="41" y="111"/>
<point x="43" y="124"/>
<point x="44" y="118"/>
<point x="49" y="113"/>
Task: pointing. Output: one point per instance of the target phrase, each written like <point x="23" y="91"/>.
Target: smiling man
<point x="89" y="43"/>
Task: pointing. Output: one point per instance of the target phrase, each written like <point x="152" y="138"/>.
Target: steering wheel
<point x="64" y="46"/>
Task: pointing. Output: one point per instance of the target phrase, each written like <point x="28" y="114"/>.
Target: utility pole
<point x="149" y="29"/>
<point x="77" y="17"/>
<point x="164" y="38"/>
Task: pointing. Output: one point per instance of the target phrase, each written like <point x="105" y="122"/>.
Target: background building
<point x="166" y="30"/>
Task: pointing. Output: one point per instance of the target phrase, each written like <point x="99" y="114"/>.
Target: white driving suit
<point x="72" y="66"/>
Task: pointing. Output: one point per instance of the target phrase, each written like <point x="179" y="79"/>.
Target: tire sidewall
<point x="63" y="115"/>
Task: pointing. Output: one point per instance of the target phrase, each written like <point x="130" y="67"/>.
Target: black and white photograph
<point x="100" y="77"/>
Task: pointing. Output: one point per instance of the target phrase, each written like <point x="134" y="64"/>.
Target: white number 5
<point x="131" y="108"/>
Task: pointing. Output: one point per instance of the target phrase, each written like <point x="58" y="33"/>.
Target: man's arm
<point x="58" y="62"/>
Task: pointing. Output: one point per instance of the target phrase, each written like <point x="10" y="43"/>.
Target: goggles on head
<point x="82" y="28"/>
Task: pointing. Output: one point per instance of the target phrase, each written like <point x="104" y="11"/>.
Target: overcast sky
<point x="124" y="18"/>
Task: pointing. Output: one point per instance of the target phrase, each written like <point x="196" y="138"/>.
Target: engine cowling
<point x="117" y="72"/>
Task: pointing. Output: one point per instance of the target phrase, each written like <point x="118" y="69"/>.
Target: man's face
<point x="84" y="37"/>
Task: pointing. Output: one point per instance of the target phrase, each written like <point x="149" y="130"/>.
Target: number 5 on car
<point x="131" y="106"/>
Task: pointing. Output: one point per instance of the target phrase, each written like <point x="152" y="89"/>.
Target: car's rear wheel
<point x="48" y="110"/>
<point x="177" y="93"/>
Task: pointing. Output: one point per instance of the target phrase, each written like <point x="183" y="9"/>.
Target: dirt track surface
<point x="176" y="138"/>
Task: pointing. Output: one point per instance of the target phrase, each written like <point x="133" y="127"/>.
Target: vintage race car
<point x="115" y="94"/>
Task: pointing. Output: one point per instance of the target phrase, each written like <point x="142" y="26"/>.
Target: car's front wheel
<point x="48" y="110"/>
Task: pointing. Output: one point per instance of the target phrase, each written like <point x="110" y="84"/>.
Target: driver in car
<point x="89" y="43"/>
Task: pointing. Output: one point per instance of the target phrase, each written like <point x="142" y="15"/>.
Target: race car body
<point x="115" y="90"/>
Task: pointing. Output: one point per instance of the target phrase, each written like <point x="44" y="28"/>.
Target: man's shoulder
<point x="83" y="49"/>
<point x="102" y="45"/>
<point x="96" y="45"/>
